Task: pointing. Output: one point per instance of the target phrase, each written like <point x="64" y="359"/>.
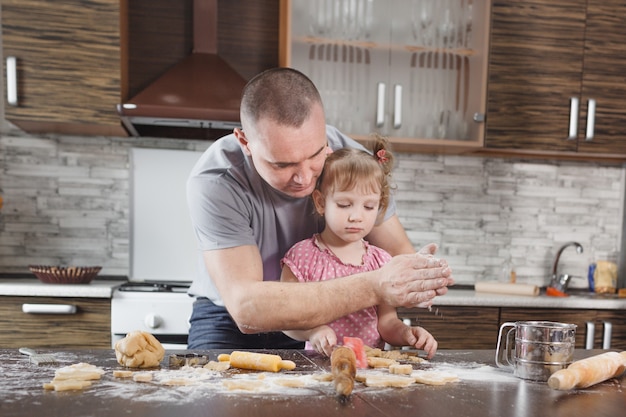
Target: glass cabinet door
<point x="413" y="70"/>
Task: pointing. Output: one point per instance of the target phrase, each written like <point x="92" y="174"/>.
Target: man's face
<point x="287" y="158"/>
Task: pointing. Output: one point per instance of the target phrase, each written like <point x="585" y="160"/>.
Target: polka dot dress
<point x="310" y="262"/>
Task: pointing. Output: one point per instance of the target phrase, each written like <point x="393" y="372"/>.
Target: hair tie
<point x="380" y="155"/>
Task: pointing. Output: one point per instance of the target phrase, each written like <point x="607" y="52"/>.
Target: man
<point x="249" y="202"/>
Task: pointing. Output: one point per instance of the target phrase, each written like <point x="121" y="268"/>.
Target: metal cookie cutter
<point x="188" y="359"/>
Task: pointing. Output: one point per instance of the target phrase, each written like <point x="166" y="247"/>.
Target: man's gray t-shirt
<point x="231" y="205"/>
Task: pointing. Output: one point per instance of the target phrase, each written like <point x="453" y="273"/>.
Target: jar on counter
<point x="605" y="275"/>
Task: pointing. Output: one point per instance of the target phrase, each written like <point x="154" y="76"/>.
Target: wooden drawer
<point x="89" y="327"/>
<point x="577" y="317"/>
<point x="457" y="327"/>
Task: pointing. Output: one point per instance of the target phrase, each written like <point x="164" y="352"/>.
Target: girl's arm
<point x="322" y="338"/>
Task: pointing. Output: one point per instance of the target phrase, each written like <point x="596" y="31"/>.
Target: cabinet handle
<point x="380" y="105"/>
<point x="591" y="330"/>
<point x="397" y="107"/>
<point x="573" y="118"/>
<point x="591" y="119"/>
<point x="49" y="308"/>
<point x="608" y="334"/>
<point x="11" y="80"/>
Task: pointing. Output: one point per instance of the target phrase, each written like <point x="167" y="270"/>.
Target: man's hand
<point x="413" y="280"/>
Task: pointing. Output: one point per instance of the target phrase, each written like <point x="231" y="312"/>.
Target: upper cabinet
<point x="556" y="78"/>
<point x="62" y="65"/>
<point x="415" y="72"/>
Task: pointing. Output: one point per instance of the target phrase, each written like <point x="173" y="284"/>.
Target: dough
<point x="400" y="369"/>
<point x="122" y="374"/>
<point x="139" y="350"/>
<point x="66" y="385"/>
<point x="142" y="376"/>
<point x="376" y="362"/>
<point x="79" y="371"/>
<point x="217" y="366"/>
<point x="433" y="377"/>
<point x="74" y="377"/>
<point x="395" y="381"/>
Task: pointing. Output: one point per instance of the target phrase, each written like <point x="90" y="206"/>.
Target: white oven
<point x="163" y="252"/>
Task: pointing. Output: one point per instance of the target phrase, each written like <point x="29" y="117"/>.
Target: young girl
<point x="352" y="193"/>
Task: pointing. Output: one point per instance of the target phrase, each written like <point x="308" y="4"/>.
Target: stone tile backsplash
<point x="66" y="201"/>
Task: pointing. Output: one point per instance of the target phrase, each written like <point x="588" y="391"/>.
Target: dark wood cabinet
<point x="76" y="60"/>
<point x="590" y="324"/>
<point x="67" y="65"/>
<point x="88" y="327"/>
<point x="457" y="327"/>
<point x="475" y="327"/>
<point x="547" y="56"/>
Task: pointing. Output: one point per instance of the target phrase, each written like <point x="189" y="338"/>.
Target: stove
<point x="162" y="309"/>
<point x="163" y="250"/>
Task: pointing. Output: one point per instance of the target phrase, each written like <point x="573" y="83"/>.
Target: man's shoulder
<point x="338" y="139"/>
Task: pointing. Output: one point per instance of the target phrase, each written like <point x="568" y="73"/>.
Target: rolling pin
<point x="256" y="361"/>
<point x="343" y="369"/>
<point x="590" y="371"/>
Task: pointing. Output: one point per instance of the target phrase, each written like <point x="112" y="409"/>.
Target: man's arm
<point x="260" y="306"/>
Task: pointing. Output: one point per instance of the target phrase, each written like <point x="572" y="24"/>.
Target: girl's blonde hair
<point x="348" y="168"/>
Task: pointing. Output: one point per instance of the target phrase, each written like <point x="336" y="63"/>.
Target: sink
<point x="591" y="295"/>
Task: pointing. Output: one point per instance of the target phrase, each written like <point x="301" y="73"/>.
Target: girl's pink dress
<point x="310" y="262"/>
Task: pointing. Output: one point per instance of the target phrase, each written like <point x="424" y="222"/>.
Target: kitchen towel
<point x="506" y="288"/>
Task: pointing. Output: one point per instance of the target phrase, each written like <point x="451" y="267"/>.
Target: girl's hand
<point x="420" y="338"/>
<point x="323" y="339"/>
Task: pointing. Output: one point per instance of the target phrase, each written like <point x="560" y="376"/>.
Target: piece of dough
<point x="142" y="376"/>
<point x="590" y="371"/>
<point x="67" y="385"/>
<point x="78" y="371"/>
<point x="245" y="385"/>
<point x="289" y="382"/>
<point x="398" y="369"/>
<point x="394" y="381"/>
<point x="376" y="362"/>
<point x="122" y="374"/>
<point x="433" y="377"/>
<point x="74" y="377"/>
<point x="139" y="350"/>
<point x="217" y="366"/>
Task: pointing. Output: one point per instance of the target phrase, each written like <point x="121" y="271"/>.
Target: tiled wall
<point x="66" y="202"/>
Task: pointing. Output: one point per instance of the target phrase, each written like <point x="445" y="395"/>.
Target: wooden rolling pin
<point x="590" y="371"/>
<point x="343" y="369"/>
<point x="256" y="361"/>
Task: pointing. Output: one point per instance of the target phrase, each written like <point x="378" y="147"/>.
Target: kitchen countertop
<point x="577" y="300"/>
<point x="98" y="288"/>
<point x="465" y="296"/>
<point x="483" y="390"/>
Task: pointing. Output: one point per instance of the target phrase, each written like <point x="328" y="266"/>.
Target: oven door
<point x="165" y="315"/>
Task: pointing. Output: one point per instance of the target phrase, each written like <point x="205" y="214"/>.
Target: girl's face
<point x="350" y="215"/>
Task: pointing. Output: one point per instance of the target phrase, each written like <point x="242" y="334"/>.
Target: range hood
<point x="201" y="91"/>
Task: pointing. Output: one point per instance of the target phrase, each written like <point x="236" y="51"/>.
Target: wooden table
<point x="482" y="391"/>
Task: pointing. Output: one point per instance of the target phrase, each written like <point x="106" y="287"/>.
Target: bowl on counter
<point x="65" y="274"/>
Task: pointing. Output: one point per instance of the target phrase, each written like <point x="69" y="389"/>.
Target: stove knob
<point x="153" y="321"/>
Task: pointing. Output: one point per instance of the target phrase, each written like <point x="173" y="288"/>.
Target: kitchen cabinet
<point x="52" y="326"/>
<point x="415" y="72"/>
<point x="477" y="327"/>
<point x="63" y="65"/>
<point x="457" y="327"/>
<point x="72" y="62"/>
<point x="590" y="323"/>
<point x="556" y="78"/>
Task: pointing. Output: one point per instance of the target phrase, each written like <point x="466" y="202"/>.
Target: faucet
<point x="562" y="281"/>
